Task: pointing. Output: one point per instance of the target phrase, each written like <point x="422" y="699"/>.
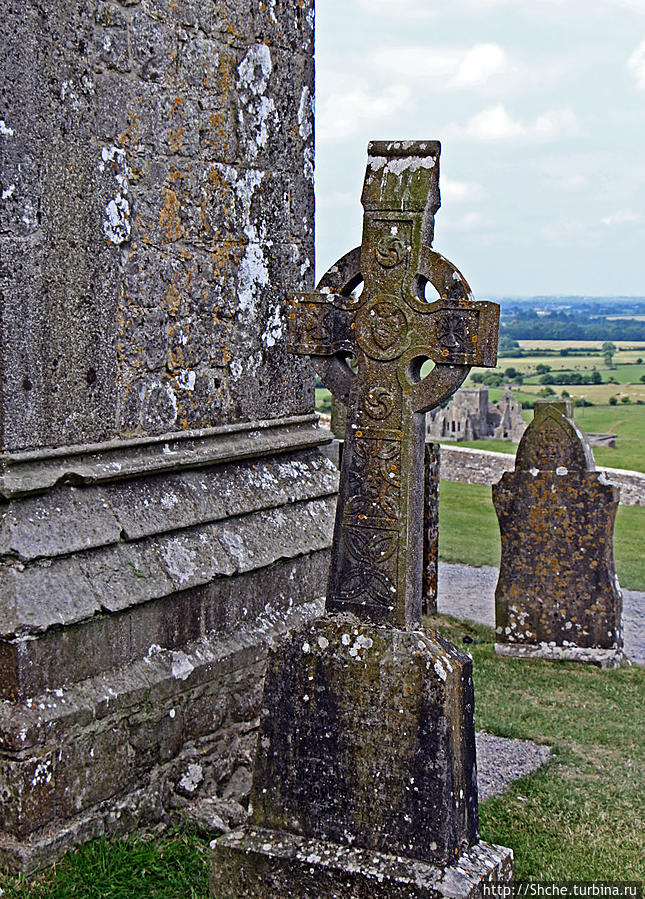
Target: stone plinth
<point x="557" y="596"/>
<point x="266" y="865"/>
<point x="366" y="754"/>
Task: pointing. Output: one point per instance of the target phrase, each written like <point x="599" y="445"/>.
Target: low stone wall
<point x="475" y="466"/>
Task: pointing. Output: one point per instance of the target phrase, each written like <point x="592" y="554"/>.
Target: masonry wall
<point x="474" y="466"/>
<point x="165" y="509"/>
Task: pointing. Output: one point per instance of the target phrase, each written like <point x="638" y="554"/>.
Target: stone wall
<point x="165" y="509"/>
<point x="157" y="201"/>
<point x="474" y="466"/>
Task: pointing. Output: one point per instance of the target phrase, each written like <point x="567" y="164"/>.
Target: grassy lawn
<point x="469" y="533"/>
<point x="171" y="866"/>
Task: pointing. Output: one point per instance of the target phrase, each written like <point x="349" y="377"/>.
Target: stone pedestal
<point x="365" y="777"/>
<point x="557" y="596"/>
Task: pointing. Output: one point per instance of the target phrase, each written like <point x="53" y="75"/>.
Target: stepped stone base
<point x="270" y="864"/>
<point x="603" y="658"/>
<point x="109" y="754"/>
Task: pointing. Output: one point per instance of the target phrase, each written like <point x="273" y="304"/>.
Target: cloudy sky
<point x="540" y="109"/>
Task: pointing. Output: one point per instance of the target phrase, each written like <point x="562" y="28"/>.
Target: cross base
<point x="270" y="864"/>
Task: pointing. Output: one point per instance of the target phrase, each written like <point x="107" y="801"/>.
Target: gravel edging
<point x="501" y="760"/>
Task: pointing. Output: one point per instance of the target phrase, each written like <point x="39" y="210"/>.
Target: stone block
<point x="69" y="520"/>
<point x="28" y="791"/>
<point x="91" y="768"/>
<point x="365" y="779"/>
<point x="367" y="739"/>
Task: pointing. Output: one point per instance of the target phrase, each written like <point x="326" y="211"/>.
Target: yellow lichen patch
<point x="169" y="220"/>
<point x="176" y="139"/>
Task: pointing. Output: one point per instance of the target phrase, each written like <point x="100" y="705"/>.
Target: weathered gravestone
<point x="365" y="776"/>
<point x="557" y="596"/>
<point x="164" y="507"/>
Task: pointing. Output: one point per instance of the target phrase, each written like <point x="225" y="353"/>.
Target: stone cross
<point x="391" y="330"/>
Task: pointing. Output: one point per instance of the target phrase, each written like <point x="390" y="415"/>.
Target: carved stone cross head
<point x="390" y="329"/>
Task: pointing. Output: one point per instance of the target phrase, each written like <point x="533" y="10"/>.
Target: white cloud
<point x="445" y="67"/>
<point x="479" y="64"/>
<point x="336" y="199"/>
<point x="636" y="65"/>
<point x="495" y="124"/>
<point x="622" y="217"/>
<point x="460" y="191"/>
<point x="403" y="9"/>
<point x="468" y="222"/>
<point x="637" y="6"/>
<point x="343" y="113"/>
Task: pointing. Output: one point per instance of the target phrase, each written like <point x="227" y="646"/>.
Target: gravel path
<point x="467" y="592"/>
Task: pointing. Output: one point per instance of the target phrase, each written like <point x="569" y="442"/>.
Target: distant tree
<point x="564" y="352"/>
<point x="510" y="372"/>
<point x="596" y="377"/>
<point x="547" y="379"/>
<point x="625" y="399"/>
<point x="565" y="393"/>
<point x="542" y="369"/>
<point x="477" y="378"/>
<point x="642" y="379"/>
<point x="547" y="391"/>
<point x="612" y="401"/>
<point x="639" y="361"/>
<point x="507" y="344"/>
<point x="608" y="349"/>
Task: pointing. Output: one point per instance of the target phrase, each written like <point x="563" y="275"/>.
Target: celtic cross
<point x="390" y="329"/>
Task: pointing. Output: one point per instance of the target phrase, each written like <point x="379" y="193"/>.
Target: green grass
<point x="469" y="533"/>
<point x="323" y="400"/>
<point x="581" y="817"/>
<point x="171" y="866"/>
<point x="468" y="530"/>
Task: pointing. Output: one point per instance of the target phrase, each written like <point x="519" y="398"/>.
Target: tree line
<point x="573" y="326"/>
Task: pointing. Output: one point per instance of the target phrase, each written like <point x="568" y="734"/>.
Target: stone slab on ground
<point x="269" y="865"/>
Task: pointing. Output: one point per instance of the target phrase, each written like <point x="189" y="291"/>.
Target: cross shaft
<point x="391" y="330"/>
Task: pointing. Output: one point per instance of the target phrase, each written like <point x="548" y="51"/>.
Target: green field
<point x="469" y="533"/>
<point x="628" y="422"/>
<point x="622" y="378"/>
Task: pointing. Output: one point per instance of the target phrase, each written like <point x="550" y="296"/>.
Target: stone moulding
<point x="33" y="471"/>
<point x="267" y="865"/>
